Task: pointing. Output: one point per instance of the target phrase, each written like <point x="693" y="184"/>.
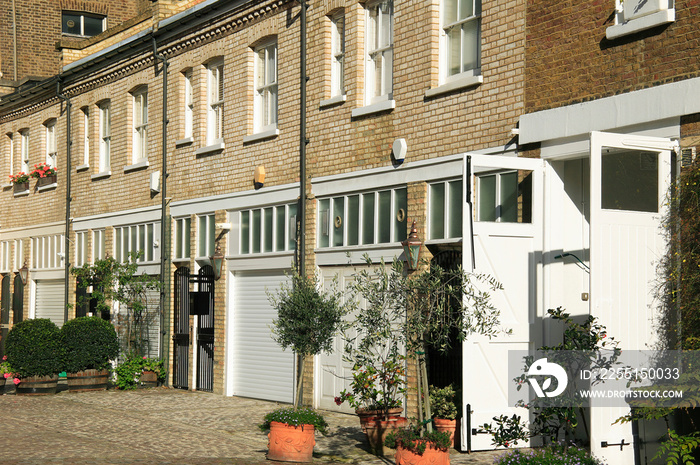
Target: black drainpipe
<point x="301" y="240"/>
<point x="66" y="242"/>
<point x="164" y="222"/>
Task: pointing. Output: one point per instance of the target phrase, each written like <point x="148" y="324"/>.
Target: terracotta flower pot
<point x="290" y="443"/>
<point x="377" y="430"/>
<point x="37" y="386"/>
<point x="367" y="415"/>
<point x="449" y="426"/>
<point x="431" y="456"/>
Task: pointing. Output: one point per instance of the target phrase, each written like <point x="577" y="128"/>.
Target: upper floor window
<point x="445" y="210"/>
<point x="98" y="244"/>
<point x="82" y="24"/>
<point x="105" y="137"/>
<point x="47" y="251"/>
<point x="140" y="147"/>
<point x="51" y="143"/>
<point x="380" y="49"/>
<point x="265" y="87"/>
<point x="137" y="238"/>
<point x="5" y="256"/>
<point x="189" y="103"/>
<point x="10" y="147"/>
<point x="365" y="218"/>
<point x="337" y="54"/>
<point x="86" y="135"/>
<point x="19" y="254"/>
<point x="80" y="248"/>
<point x="206" y="235"/>
<point x="183" y="228"/>
<point x="461" y="37"/>
<point x="268" y="229"/>
<point x="215" y="102"/>
<point x="24" y="135"/>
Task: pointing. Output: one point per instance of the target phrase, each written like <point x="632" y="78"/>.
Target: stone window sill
<point x="454" y="85"/>
<point x="640" y="24"/>
<point x="47" y="187"/>
<point x="185" y="141"/>
<point x="385" y="105"/>
<point x="102" y="175"/>
<point x="82" y="168"/>
<point x="217" y="147"/>
<point x="338" y="99"/>
<point x="269" y="134"/>
<point x="136" y="166"/>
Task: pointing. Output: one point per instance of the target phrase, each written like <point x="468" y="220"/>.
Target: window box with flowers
<point x="20" y="183"/>
<point x="45" y="174"/>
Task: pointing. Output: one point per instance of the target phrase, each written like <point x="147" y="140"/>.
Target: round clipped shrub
<point x="89" y="342"/>
<point x="33" y="348"/>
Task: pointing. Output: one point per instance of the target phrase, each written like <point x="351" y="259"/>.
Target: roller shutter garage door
<point x="50" y="294"/>
<point x="261" y="369"/>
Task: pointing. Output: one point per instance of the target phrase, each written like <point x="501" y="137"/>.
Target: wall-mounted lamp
<point x="411" y="248"/>
<point x="24" y="273"/>
<point x="217" y="262"/>
<point x="259" y="178"/>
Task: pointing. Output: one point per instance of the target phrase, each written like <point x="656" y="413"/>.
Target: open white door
<point x="506" y="225"/>
<point x="630" y="177"/>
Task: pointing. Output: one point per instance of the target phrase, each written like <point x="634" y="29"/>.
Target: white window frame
<point x="105" y="136"/>
<point x="255" y="239"/>
<point x="445" y="47"/>
<point x="24" y="150"/>
<point x="215" y="102"/>
<point x="80" y="248"/>
<point x="5" y="256"/>
<point x="448" y="220"/>
<point x="10" y="153"/>
<point x="82" y="17"/>
<point x="206" y="236"/>
<point x="266" y="97"/>
<point x="136" y="238"/>
<point x="140" y="125"/>
<point x="86" y="135"/>
<point x="189" y="104"/>
<point x="51" y="150"/>
<point x="19" y="254"/>
<point x="47" y="252"/>
<point x="183" y="232"/>
<point x="376" y="51"/>
<point x="498" y="200"/>
<point x="98" y="244"/>
<point x="338" y="54"/>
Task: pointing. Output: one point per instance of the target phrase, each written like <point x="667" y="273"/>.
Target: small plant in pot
<point x="413" y="448"/>
<point x="152" y="372"/>
<point x="291" y="433"/>
<point x="443" y="402"/>
<point x="90" y="343"/>
<point x="34" y="351"/>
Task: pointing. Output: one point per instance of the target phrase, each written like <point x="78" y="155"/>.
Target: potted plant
<point x="45" y="173"/>
<point x="34" y="350"/>
<point x="152" y="372"/>
<point x="307" y="319"/>
<point x="291" y="433"/>
<point x="89" y="343"/>
<point x="6" y="372"/>
<point x="20" y="181"/>
<point x="444" y="409"/>
<point x="413" y="448"/>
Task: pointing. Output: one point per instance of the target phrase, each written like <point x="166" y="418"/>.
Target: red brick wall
<point x="569" y="60"/>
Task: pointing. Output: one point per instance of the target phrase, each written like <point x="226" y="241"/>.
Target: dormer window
<point x="76" y="23"/>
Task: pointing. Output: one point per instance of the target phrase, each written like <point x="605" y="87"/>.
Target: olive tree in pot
<point x="307" y="319"/>
<point x="90" y="343"/>
<point x="34" y="351"/>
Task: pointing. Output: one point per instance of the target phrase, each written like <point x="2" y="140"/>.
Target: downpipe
<point x="66" y="240"/>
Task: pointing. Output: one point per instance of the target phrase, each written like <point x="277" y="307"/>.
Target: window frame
<point x="257" y="235"/>
<point x="374" y="30"/>
<point x="139" y="152"/>
<point x="215" y="102"/>
<point x="82" y="15"/>
<point x="206" y="236"/>
<point x="182" y="236"/>
<point x="81" y="248"/>
<point x="337" y="56"/>
<point x="105" y="122"/>
<point x="265" y="92"/>
<point x="24" y="150"/>
<point x="51" y="147"/>
<point x="98" y="244"/>
<point x="47" y="251"/>
<point x="188" y="104"/>
<point x="5" y="256"/>
<point x="86" y="135"/>
<point x="18" y="254"/>
<point x="10" y="153"/>
<point x="448" y="221"/>
<point x="447" y="74"/>
<point x="124" y="244"/>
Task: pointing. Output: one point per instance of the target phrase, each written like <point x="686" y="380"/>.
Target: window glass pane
<point x="142" y="239"/>
<point x="245" y="231"/>
<point x="186" y="237"/>
<point x="178" y="238"/>
<point x="291" y="245"/>
<point x="202" y="236"/>
<point x="280" y="225"/>
<point x="92" y="26"/>
<point x="400" y="212"/>
<point x="149" y="242"/>
<point x="267" y="241"/>
<point x="70" y="23"/>
<point x="450" y="11"/>
<point x="368" y="218"/>
<point x="455" y="209"/>
<point x="255" y="234"/>
<point x="454" y="43"/>
<point x="509" y="197"/>
<point x="212" y="235"/>
<point x="338" y="221"/>
<point x="630" y="180"/>
<point x="437" y="211"/>
<point x="118" y="244"/>
<point x="487" y="198"/>
<point x="385" y="25"/>
<point x="466" y="8"/>
<point x="133" y="240"/>
<point x="323" y="222"/>
<point x="470" y="46"/>
<point x="353" y="219"/>
<point x="384" y="217"/>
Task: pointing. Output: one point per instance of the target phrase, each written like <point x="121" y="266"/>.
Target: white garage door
<point x="261" y="369"/>
<point x="50" y="295"/>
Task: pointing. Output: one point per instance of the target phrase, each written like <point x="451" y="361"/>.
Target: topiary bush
<point x="33" y="348"/>
<point x="89" y="343"/>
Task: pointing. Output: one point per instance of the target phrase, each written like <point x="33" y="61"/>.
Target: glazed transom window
<point x="19" y="254"/>
<point x="5" y="256"/>
<point x="98" y="244"/>
<point x="80" y="248"/>
<point x="206" y="235"/>
<point x="445" y="210"/>
<point x="46" y="250"/>
<point x="183" y="228"/>
<point x="137" y="238"/>
<point x="362" y="219"/>
<point x="268" y="229"/>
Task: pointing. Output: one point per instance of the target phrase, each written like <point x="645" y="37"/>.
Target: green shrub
<point x="553" y="455"/>
<point x="89" y="343"/>
<point x="33" y="348"/>
<point x="128" y="372"/>
<point x="296" y="417"/>
<point x="411" y="439"/>
<point x="443" y="402"/>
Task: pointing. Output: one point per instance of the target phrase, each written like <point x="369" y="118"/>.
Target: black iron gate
<point x="181" y="334"/>
<point x="17" y="300"/>
<point x="4" y="312"/>
<point x="205" y="329"/>
<point x="200" y="303"/>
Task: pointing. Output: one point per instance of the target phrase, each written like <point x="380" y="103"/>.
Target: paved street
<point x="162" y="426"/>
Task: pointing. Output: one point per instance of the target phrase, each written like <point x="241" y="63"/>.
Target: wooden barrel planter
<point x="88" y="380"/>
<point x="148" y="379"/>
<point x="37" y="386"/>
<point x="290" y="443"/>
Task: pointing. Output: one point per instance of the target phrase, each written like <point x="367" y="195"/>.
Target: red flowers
<point x="42" y="170"/>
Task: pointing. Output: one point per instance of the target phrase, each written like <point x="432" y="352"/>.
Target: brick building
<point x="412" y="108"/>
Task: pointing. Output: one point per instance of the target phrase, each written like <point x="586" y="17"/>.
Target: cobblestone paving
<point x="163" y="426"/>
